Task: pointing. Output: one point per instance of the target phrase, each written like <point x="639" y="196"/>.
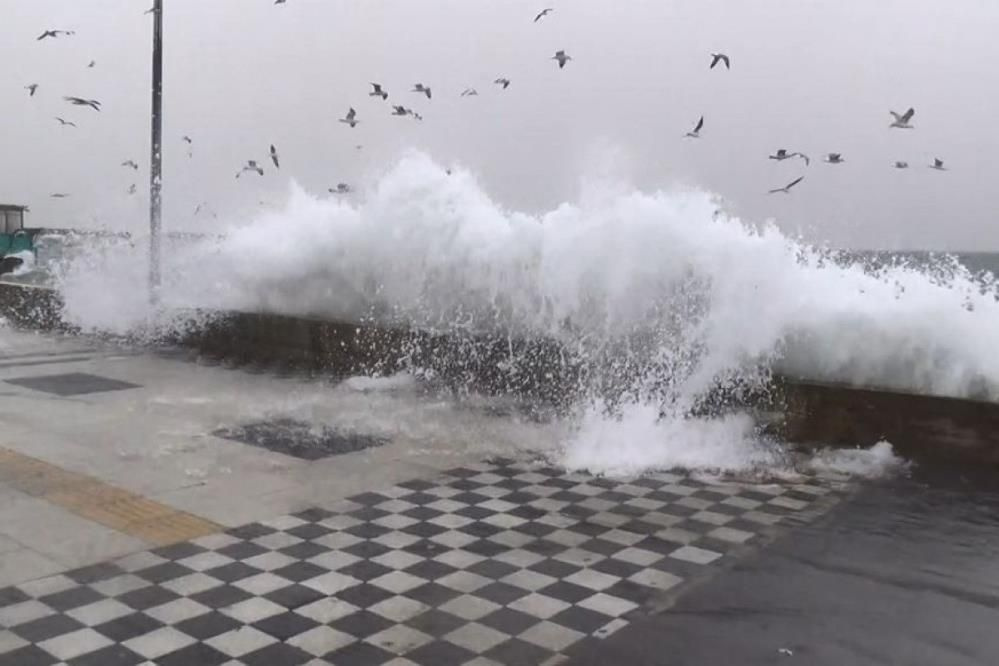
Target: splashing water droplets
<point x="662" y="299"/>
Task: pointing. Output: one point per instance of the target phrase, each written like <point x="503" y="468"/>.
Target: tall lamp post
<point x="156" y="161"/>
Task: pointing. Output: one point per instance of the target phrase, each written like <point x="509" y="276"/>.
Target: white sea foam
<point x="878" y="461"/>
<point x="28" y="262"/>
<point x="692" y="297"/>
<point x="637" y="439"/>
<point x="398" y="382"/>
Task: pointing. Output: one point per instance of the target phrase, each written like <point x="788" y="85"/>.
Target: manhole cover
<point x="299" y="439"/>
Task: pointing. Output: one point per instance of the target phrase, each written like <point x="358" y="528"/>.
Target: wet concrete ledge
<point x="814" y="413"/>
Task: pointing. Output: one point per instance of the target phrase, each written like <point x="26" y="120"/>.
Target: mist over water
<point x="660" y="288"/>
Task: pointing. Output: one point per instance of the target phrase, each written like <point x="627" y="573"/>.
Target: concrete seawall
<point x="836" y="414"/>
<point x="814" y="413"/>
<point x="30" y="306"/>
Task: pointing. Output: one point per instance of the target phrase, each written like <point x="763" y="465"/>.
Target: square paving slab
<point x="72" y="383"/>
<point x="299" y="439"/>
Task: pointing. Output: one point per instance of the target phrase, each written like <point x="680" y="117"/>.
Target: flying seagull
<point x="130" y="163"/>
<point x="65" y="122"/>
<point x="91" y="64"/>
<point x="31" y="89"/>
<point x="787" y="188"/>
<point x="350" y="118"/>
<point x="274" y="157"/>
<point x="420" y="88"/>
<point x="398" y="110"/>
<point x="720" y="57"/>
<point x="901" y="165"/>
<point x="938" y="164"/>
<point x="341" y="188"/>
<point x="251" y="165"/>
<point x="279" y="2"/>
<point x="543" y="13"/>
<point x="502" y="82"/>
<point x="834" y="158"/>
<point x="54" y="33"/>
<point x="79" y="101"/>
<point x="696" y="134"/>
<point x="58" y="195"/>
<point x="782" y="155"/>
<point x="469" y="92"/>
<point x="186" y="139"/>
<point x="131" y="188"/>
<point x="562" y="58"/>
<point x="377" y="91"/>
<point x="902" y="121"/>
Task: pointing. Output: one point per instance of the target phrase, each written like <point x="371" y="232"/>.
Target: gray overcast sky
<point x="809" y="75"/>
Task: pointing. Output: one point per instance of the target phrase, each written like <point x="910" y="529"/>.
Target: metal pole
<point x="156" y="161"/>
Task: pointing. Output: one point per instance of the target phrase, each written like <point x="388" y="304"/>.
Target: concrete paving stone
<point x="62" y="536"/>
<point x="24" y="564"/>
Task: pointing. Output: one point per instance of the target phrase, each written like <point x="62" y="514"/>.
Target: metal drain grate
<point x="299" y="439"/>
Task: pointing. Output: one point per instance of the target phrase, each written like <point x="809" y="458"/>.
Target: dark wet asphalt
<point x="906" y="572"/>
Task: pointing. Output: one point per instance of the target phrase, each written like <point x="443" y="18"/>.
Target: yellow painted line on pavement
<point x="102" y="503"/>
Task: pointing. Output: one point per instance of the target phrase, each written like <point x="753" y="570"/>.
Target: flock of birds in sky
<point x="351" y="119"/>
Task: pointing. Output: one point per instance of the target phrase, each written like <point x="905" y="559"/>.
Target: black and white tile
<point x="497" y="563"/>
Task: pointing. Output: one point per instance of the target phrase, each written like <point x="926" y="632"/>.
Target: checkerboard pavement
<point x="502" y="562"/>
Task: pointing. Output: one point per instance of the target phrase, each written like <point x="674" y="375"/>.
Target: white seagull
<point x="31" y="89"/>
<point x="938" y="164"/>
<point x="420" y="88"/>
<point x="502" y="82"/>
<point x="562" y="58"/>
<point x="834" y="158"/>
<point x="274" y="157"/>
<point x="251" y="165"/>
<point x="376" y="91"/>
<point x="130" y="164"/>
<point x="901" y="165"/>
<point x="720" y="57"/>
<point x="543" y="13"/>
<point x="64" y="123"/>
<point x="469" y="92"/>
<point x="902" y="121"/>
<point x="54" y="33"/>
<point x="787" y="188"/>
<point x="80" y="101"/>
<point x="782" y="155"/>
<point x="350" y="118"/>
<point x="696" y="133"/>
